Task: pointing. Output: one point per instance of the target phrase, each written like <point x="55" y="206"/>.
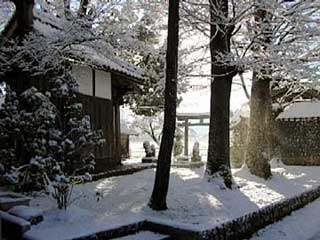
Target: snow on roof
<point x="51" y="26"/>
<point x="107" y="62"/>
<point x="96" y="53"/>
<point x="302" y="109"/>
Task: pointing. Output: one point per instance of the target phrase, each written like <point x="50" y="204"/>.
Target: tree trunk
<point x="257" y="157"/>
<point x="83" y="8"/>
<point x="258" y="149"/>
<point x="19" y="26"/>
<point x="161" y="185"/>
<point x="218" y="164"/>
<point x="21" y="22"/>
<point x="67" y="9"/>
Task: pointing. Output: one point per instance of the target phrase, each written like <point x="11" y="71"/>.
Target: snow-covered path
<point x="303" y="224"/>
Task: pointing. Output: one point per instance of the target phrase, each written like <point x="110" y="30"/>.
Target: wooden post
<point x="117" y="132"/>
<point x="93" y="82"/>
<point x="186" y="137"/>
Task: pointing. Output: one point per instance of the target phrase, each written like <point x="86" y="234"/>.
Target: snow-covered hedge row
<point x="125" y="170"/>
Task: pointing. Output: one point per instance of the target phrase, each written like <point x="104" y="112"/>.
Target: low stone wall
<point x="306" y="160"/>
<point x="116" y="233"/>
<point x="173" y="232"/>
<point x="12" y="227"/>
<point x="245" y="226"/>
<point x="298" y="140"/>
<point x="123" y="170"/>
<point x="242" y="227"/>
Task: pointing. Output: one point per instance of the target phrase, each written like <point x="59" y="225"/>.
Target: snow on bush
<point x="45" y="139"/>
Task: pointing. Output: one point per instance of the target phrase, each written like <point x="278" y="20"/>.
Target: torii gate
<point x="183" y="121"/>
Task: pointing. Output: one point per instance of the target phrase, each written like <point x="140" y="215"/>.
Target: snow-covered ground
<point x="193" y="202"/>
<point x="144" y="235"/>
<point x="301" y="224"/>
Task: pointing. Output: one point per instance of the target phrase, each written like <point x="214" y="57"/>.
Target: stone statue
<point x="147" y="148"/>
<point x="178" y="145"/>
<point x="196" y="153"/>
<point x="150" y="151"/>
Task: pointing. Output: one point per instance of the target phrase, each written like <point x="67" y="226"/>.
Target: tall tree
<point x="83" y="8"/>
<point x="161" y="185"/>
<point x="258" y="156"/>
<point x="21" y="22"/>
<point x="218" y="164"/>
<point x="67" y="8"/>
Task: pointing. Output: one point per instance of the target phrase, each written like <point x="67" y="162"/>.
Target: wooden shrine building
<point x="103" y="78"/>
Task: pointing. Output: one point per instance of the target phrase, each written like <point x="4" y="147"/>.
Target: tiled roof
<point x="301" y="110"/>
<point x="96" y="53"/>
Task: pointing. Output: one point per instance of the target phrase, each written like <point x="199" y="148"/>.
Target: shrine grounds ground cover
<point x="193" y="202"/>
<point x="302" y="224"/>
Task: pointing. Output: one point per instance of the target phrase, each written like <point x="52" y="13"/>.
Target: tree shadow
<point x="286" y="180"/>
<point x="193" y="201"/>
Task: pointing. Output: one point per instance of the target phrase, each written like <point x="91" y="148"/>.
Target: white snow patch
<point x="75" y="223"/>
<point x="193" y="202"/>
<point x="301" y="224"/>
<point x="25" y="212"/>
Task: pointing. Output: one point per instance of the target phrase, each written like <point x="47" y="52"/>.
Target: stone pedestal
<point x="33" y="215"/>
<point x="13" y="227"/>
<point x="9" y="200"/>
<point x="149" y="160"/>
<point x="187" y="164"/>
<point x="183" y="159"/>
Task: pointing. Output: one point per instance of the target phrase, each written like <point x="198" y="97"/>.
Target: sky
<point x="198" y="101"/>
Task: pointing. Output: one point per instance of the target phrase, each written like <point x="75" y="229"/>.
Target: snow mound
<point x="26" y="212"/>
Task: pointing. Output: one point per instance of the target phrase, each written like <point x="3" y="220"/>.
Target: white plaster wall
<point x="83" y="76"/>
<point x="103" y="85"/>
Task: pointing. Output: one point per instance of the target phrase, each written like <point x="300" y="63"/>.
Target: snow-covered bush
<point x="25" y="125"/>
<point x="45" y="137"/>
<point x="78" y="139"/>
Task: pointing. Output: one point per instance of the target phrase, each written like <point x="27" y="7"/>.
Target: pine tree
<point x="25" y="123"/>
